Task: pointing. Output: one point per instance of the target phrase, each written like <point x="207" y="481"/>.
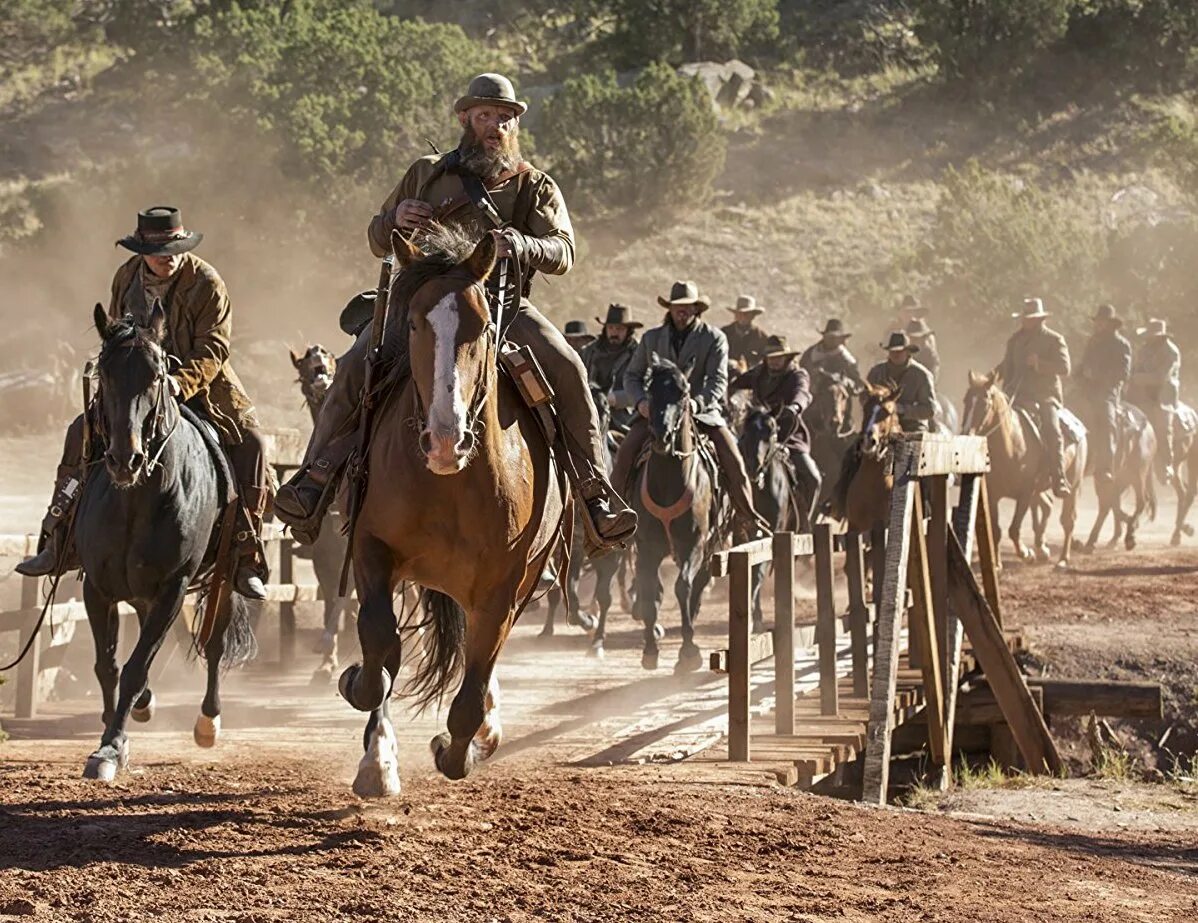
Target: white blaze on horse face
<point x="447" y="409"/>
<point x="871" y="441"/>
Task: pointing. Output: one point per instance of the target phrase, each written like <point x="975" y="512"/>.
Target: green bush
<point x="1144" y="35"/>
<point x="655" y="144"/>
<point x="678" y="31"/>
<point x="345" y="90"/>
<point x="981" y="43"/>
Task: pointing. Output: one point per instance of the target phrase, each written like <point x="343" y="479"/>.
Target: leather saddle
<point x="1072" y="429"/>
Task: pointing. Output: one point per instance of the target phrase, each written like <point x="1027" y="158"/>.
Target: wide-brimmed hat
<point x="490" y="90"/>
<point x="1156" y="327"/>
<point x="911" y="303"/>
<point x="1107" y="312"/>
<point x="684" y="292"/>
<point x="899" y="340"/>
<point x="776" y="347"/>
<point x="160" y="232"/>
<point x="577" y="328"/>
<point x="746" y="304"/>
<point x="358" y="312"/>
<point x="619" y="314"/>
<point x="918" y="327"/>
<point x="1032" y="308"/>
<point x="834" y="328"/>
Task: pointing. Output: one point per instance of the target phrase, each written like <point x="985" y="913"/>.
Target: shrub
<point x="688" y="30"/>
<point x="655" y="144"/>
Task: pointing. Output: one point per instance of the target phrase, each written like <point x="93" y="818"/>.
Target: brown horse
<point x="1132" y="470"/>
<point x="865" y="481"/>
<point x="462" y="498"/>
<point x="1018" y="469"/>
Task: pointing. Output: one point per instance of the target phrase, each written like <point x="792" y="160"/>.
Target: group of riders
<point x="486" y="187"/>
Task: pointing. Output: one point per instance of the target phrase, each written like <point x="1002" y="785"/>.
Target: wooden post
<point x="740" y="617"/>
<point x="964" y="521"/>
<point x="30" y="667"/>
<point x="887" y="631"/>
<point x="877" y="569"/>
<point x="784" y="632"/>
<point x="854" y="569"/>
<point x="937" y="546"/>
<point x="286" y="609"/>
<point x="825" y="620"/>
<point x="988" y="551"/>
<point x="923" y="614"/>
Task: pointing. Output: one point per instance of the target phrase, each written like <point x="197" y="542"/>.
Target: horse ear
<point x="994" y="379"/>
<point x="480" y="263"/>
<point x="103" y="325"/>
<point x="405" y="251"/>
<point x="295" y="360"/>
<point x="157" y="324"/>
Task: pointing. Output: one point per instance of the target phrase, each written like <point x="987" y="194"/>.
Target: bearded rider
<point x="831" y="354"/>
<point x="606" y="359"/>
<point x="199" y="324"/>
<point x="536" y="236"/>
<point x="917" y="391"/>
<point x="684" y="339"/>
<point x="747" y="342"/>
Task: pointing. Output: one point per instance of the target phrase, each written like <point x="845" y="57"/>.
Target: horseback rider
<point x="747" y="342"/>
<point x="1036" y="360"/>
<point x="606" y="359"/>
<point x="1156" y="388"/>
<point x="577" y="335"/>
<point x="831" y="354"/>
<point x="684" y="339"/>
<point x="485" y="185"/>
<point x="917" y="391"/>
<point x="923" y="336"/>
<point x="1105" y="369"/>
<point x="199" y="323"/>
<point x="781" y="385"/>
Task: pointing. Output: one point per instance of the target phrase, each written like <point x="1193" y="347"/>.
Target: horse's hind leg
<point x="1099" y="520"/>
<point x="105" y="626"/>
<point x="605" y="573"/>
<point x="233" y="640"/>
<point x="1068" y="522"/>
<point x="113" y="753"/>
<point x="648" y="601"/>
<point x="143" y="708"/>
<point x="378" y="770"/>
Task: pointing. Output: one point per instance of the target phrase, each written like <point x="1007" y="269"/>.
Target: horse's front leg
<point x="365" y="685"/>
<point x="1068" y="522"/>
<point x="690" y="658"/>
<point x="113" y="752"/>
<point x="648" y="600"/>
<point x="605" y="572"/>
<point x="1015" y="530"/>
<point x="378" y="770"/>
<point x="105" y="625"/>
<point x="1099" y="519"/>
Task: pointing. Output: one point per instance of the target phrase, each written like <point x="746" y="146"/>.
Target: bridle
<point x="153" y="423"/>
<point x="672" y="434"/>
<point x="991" y="411"/>
<point x="772" y="451"/>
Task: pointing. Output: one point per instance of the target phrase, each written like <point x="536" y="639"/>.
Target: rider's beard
<point x="488" y="164"/>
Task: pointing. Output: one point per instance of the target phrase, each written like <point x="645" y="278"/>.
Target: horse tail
<point x="240" y="644"/>
<point x="444" y="648"/>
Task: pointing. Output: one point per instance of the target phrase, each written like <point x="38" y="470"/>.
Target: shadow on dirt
<point x="1164" y="856"/>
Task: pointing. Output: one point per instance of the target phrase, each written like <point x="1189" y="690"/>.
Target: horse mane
<point x="442" y="248"/>
<point x="658" y="364"/>
<point x="125" y="334"/>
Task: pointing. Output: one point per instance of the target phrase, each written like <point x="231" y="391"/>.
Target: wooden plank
<point x="978" y="705"/>
<point x="825" y="614"/>
<point x="964" y="522"/>
<point x="286" y="608"/>
<point x="784" y="632"/>
<point x="937" y="548"/>
<point x="887" y="633"/>
<point x="952" y="455"/>
<point x="761" y="647"/>
<point x="854" y="569"/>
<point x="740" y="604"/>
<point x="759" y="552"/>
<point x="1107" y="698"/>
<point x="923" y="616"/>
<point x="30" y="667"/>
<point x="988" y="551"/>
<point x="1002" y="672"/>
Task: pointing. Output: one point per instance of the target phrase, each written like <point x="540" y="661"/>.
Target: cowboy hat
<point x="834" y="328"/>
<point x="160" y="232"/>
<point x="918" y="327"/>
<point x="1156" y="328"/>
<point x="1032" y="308"/>
<point x="775" y="347"/>
<point x="899" y="340"/>
<point x="577" y="329"/>
<point x="684" y="292"/>
<point x="1107" y="312"/>
<point x="490" y="90"/>
<point x="746" y="304"/>
<point x="619" y="314"/>
<point x="358" y="312"/>
<point x="911" y="303"/>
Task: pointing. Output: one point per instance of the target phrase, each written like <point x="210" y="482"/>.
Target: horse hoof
<point x="546" y="632"/>
<point x="649" y="660"/>
<point x="1043" y="554"/>
<point x="1130" y="543"/>
<point x="378" y="770"/>
<point x="206" y="731"/>
<point x="487" y="740"/>
<point x="659" y="631"/>
<point x="1063" y="565"/>
<point x="440" y="746"/>
<point x="1175" y="540"/>
<point x="105" y="763"/>
<point x="325" y="644"/>
<point x="1087" y="548"/>
<point x="349" y="679"/>
<point x="583" y="620"/>
<point x="144" y="713"/>
<point x="596" y="650"/>
<point x="1188" y="530"/>
<point x="689" y="660"/>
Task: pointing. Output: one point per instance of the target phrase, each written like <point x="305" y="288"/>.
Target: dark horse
<point x="145" y="532"/>
<point x="462" y="498"/>
<point x="1132" y="469"/>
<point x="676" y="509"/>
<point x="829" y="420"/>
<point x="785" y="505"/>
<point x="316" y="368"/>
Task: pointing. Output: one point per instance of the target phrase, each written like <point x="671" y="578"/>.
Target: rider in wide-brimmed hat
<point x="924" y="337"/>
<point x="1156" y="389"/>
<point x="917" y="390"/>
<point x="746" y="339"/>
<point x="199" y="323"/>
<point x="1105" y="370"/>
<point x="483" y="186"/>
<point x="831" y="354"/>
<point x="577" y="334"/>
<point x="607" y="358"/>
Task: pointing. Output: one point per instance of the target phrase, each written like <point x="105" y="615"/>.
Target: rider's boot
<point x="55" y="553"/>
<point x="608" y="521"/>
<point x="1060" y="483"/>
<point x="748" y="524"/>
<point x="304" y="499"/>
<point x="252" y="570"/>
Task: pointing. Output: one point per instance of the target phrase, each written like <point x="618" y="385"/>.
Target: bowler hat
<point x="899" y="340"/>
<point x="160" y="232"/>
<point x="490" y="90"/>
<point x="834" y="328"/>
<point x="746" y="304"/>
<point x="619" y="314"/>
<point x="1107" y="312"/>
<point x="684" y="292"/>
<point x="1032" y="308"/>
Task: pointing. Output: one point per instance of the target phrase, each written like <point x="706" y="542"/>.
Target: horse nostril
<point x="109" y="459"/>
<point x="466" y="445"/>
<point x="136" y="460"/>
<point x="425" y="442"/>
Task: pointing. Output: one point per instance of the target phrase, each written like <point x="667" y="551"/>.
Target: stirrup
<point x="306" y="529"/>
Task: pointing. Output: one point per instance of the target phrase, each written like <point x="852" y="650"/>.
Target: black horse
<point x="145" y="531"/>
<point x="830" y="421"/>
<point x="316" y="368"/>
<point x="678" y="513"/>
